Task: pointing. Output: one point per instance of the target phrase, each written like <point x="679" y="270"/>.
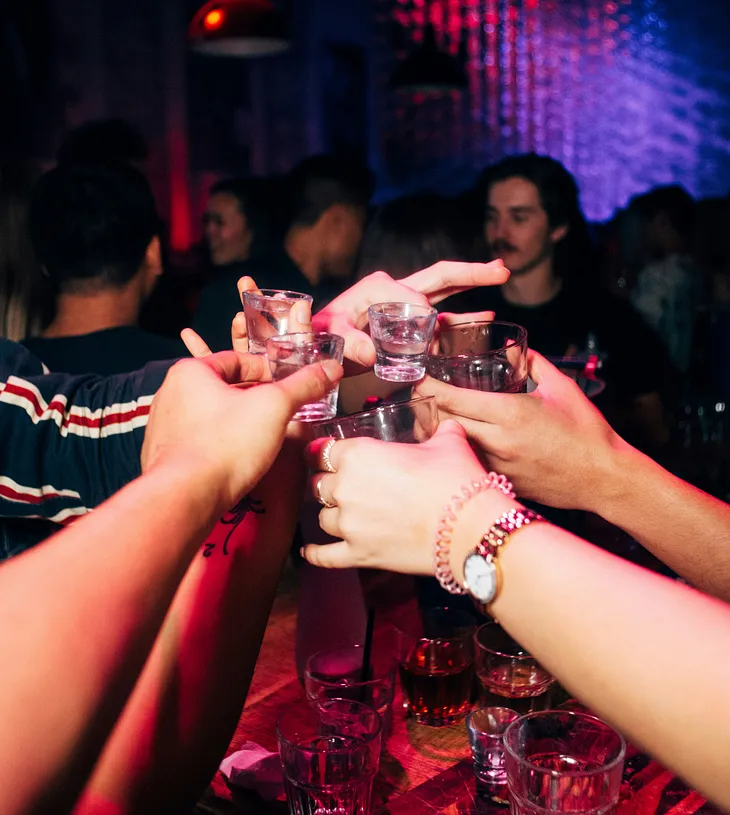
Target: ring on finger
<point x="318" y="495"/>
<point x="326" y="452"/>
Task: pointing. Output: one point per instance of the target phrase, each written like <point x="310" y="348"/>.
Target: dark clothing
<point x="220" y="302"/>
<point x="636" y="361"/>
<point x="112" y="351"/>
<point x="69" y="442"/>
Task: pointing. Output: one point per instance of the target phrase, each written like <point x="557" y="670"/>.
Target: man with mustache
<point x="533" y="221"/>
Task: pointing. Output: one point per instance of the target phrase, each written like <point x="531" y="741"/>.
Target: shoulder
<point x="17" y="360"/>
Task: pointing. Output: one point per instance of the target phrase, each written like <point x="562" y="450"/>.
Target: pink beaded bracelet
<point x="444" y="575"/>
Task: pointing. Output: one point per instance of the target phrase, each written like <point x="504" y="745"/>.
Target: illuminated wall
<point x="627" y="93"/>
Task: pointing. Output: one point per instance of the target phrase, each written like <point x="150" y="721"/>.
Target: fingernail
<point x="301" y="552"/>
<point x="331" y="370"/>
<point x="363" y="353"/>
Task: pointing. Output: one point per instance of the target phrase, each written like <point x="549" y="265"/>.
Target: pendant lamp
<point x="238" y="28"/>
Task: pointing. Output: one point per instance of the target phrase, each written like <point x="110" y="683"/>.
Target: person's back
<point x="95" y="231"/>
<point x="311" y="247"/>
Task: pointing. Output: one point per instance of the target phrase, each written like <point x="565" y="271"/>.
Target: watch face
<point x="481" y="578"/>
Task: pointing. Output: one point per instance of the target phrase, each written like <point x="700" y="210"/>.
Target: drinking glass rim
<point x="391" y="406"/>
<point x="366" y="738"/>
<point x="496" y="651"/>
<point x="521" y="339"/>
<point x="427" y="310"/>
<point x="390" y="673"/>
<point x="575" y="715"/>
<point x="270" y="294"/>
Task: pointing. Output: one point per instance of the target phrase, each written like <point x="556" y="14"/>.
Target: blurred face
<point x="226" y="230"/>
<point x="342" y="230"/>
<point x="517" y="228"/>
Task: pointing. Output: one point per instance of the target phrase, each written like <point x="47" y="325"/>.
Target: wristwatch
<point x="482" y="575"/>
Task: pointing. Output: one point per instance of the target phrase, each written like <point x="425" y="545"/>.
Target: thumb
<point x="539" y="368"/>
<point x="310" y="384"/>
<point x="329" y="556"/>
<point x="359" y="347"/>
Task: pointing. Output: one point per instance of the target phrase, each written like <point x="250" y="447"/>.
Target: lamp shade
<point x="429" y="69"/>
<point x="238" y="28"/>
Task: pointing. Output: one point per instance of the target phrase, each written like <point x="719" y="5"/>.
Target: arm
<point x="88" y="635"/>
<point x="194" y="685"/>
<point x="647" y="654"/>
<point x="557" y="448"/>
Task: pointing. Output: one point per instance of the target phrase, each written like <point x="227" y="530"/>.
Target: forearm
<point x="681" y="525"/>
<point x="643" y="652"/>
<point x="193" y="687"/>
<point x="105" y="585"/>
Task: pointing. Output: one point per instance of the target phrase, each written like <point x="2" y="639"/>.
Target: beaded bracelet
<point x="444" y="575"/>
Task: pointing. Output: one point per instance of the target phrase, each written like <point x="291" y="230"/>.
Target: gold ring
<point x="318" y="495"/>
<point x="326" y="460"/>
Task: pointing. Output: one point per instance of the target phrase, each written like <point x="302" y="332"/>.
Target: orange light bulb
<point x="213" y="19"/>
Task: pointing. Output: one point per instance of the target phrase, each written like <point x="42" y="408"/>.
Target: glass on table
<point x="508" y="675"/>
<point x="405" y="422"/>
<point x="401" y="333"/>
<point x="561" y="761"/>
<point x="268" y="314"/>
<point x="486" y="726"/>
<point x="330" y="752"/>
<point x="290" y="352"/>
<point x="436" y="665"/>
<point x="480" y="355"/>
<point x="339" y="673"/>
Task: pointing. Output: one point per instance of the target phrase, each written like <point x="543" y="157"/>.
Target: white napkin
<point x="255" y="768"/>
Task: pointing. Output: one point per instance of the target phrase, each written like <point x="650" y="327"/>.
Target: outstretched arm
<point x="557" y="448"/>
<point x="101" y="588"/>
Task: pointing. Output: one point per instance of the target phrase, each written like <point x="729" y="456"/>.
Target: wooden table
<point x="424" y="769"/>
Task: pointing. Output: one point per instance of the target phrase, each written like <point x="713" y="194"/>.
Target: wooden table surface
<point x="423" y="769"/>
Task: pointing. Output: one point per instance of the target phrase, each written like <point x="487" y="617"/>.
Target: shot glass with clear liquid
<point x="486" y="726"/>
<point x="290" y="352"/>
<point x="401" y="333"/>
<point x="268" y="313"/>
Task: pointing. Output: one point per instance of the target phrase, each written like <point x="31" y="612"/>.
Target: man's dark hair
<point x="105" y="141"/>
<point x="320" y="182"/>
<point x="92" y="224"/>
<point x="258" y="199"/>
<point x="671" y="200"/>
<point x="410" y="233"/>
<point x="575" y="256"/>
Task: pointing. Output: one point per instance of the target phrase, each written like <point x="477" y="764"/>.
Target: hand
<point x="553" y="444"/>
<point x="301" y="320"/>
<point x="388" y="499"/>
<point x="226" y="436"/>
<point x="347" y="314"/>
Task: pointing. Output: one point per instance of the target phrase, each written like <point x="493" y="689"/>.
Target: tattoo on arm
<point x="233" y="518"/>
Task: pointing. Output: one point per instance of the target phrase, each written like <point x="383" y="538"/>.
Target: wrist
<point x="472" y="523"/>
<point x="197" y="481"/>
<point x="613" y="482"/>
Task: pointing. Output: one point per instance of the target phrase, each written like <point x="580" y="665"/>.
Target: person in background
<point x="96" y="233"/>
<point x="234" y="214"/>
<point x="668" y="288"/>
<point x="321" y="207"/>
<point x="533" y="221"/>
<point x="21" y="284"/>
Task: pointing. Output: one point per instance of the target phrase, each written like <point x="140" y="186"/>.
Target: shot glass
<point x="405" y="422"/>
<point x="561" y="761"/>
<point x="268" y="314"/>
<point x="401" y="333"/>
<point x="330" y="753"/>
<point x="290" y="352"/>
<point x="481" y="356"/>
<point x="486" y="726"/>
<point x="508" y="675"/>
<point x="436" y="665"/>
<point x="340" y="673"/>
